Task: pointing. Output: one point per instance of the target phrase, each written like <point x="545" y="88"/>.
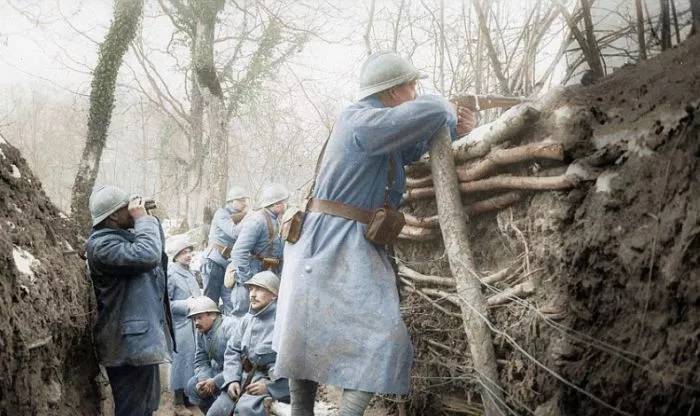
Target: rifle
<point x="484" y="102"/>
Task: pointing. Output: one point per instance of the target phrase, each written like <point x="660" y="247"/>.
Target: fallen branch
<point x="410" y="232"/>
<point x="480" y="141"/>
<point x="422" y="278"/>
<point x="521" y="290"/>
<point x="413" y="276"/>
<point x="495" y="203"/>
<point x="498" y="183"/>
<point x="409" y="287"/>
<point x="39" y="343"/>
<point x="496" y="158"/>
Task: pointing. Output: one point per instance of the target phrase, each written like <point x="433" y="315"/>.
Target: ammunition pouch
<point x="385" y="226"/>
<point x="291" y="226"/>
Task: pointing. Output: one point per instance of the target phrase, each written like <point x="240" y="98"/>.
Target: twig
<point x="524" y="289"/>
<point x="39" y="343"/>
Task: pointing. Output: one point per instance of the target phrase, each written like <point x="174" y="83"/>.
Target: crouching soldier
<point x="259" y="246"/>
<point x="182" y="288"/>
<point x="249" y="362"/>
<point x="213" y="331"/>
<point x="225" y="226"/>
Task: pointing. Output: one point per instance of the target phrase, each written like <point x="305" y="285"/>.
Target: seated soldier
<point x="249" y="361"/>
<point x="213" y="332"/>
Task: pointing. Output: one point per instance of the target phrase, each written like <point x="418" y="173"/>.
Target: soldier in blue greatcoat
<point x="133" y="332"/>
<point x="338" y="318"/>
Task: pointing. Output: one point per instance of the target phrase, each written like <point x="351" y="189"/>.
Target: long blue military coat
<point x="253" y="241"/>
<point x="181" y="286"/>
<point x="253" y="339"/>
<point x="338" y="319"/>
<point x="210" y="349"/>
<point x="127" y="268"/>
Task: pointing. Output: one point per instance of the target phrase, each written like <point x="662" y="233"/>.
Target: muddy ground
<point x="616" y="261"/>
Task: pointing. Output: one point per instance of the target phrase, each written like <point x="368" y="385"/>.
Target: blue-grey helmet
<point x="106" y="200"/>
<point x="236" y="192"/>
<point x="266" y="280"/>
<point x="383" y="70"/>
<point x="271" y="194"/>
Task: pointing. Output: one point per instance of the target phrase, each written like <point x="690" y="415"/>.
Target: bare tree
<point x="695" y="11"/>
<point x="112" y="50"/>
<point x="640" y="30"/>
<point x="665" y="25"/>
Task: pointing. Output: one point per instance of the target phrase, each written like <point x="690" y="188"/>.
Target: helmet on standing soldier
<point x="105" y="200"/>
<point x="383" y="70"/>
<point x="271" y="194"/>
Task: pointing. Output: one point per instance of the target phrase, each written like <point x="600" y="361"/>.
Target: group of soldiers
<point x="267" y="329"/>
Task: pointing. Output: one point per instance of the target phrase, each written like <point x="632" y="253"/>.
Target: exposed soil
<point x="47" y="365"/>
<point x="616" y="261"/>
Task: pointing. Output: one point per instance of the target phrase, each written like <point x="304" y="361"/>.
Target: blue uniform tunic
<point x="209" y="358"/>
<point x="223" y="232"/>
<point x="181" y="286"/>
<point x="338" y="318"/>
<point x="252" y="339"/>
<point x="253" y="241"/>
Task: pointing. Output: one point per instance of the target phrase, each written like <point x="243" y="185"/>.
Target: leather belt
<point x="224" y="250"/>
<point x="338" y="209"/>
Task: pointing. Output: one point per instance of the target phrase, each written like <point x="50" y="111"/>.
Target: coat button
<point x="307" y="268"/>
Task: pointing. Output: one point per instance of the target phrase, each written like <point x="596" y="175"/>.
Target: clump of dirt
<point x="47" y="364"/>
<point x="614" y="325"/>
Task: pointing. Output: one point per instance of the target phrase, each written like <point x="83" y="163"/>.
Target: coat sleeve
<point x="141" y="255"/>
<point x="386" y="129"/>
<point x="202" y="364"/>
<point x="244" y="246"/>
<point x="226" y="224"/>
<point x="233" y="369"/>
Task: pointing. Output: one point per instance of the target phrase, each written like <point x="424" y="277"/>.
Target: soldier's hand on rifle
<point x="234" y="390"/>
<point x="137" y="207"/>
<point x="465" y="120"/>
<point x="259" y="388"/>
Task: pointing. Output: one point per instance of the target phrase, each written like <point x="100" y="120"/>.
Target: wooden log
<point x="483" y="138"/>
<point x="521" y="290"/>
<point x="495" y="203"/>
<point x="410" y="232"/>
<point x="500" y="183"/>
<point x="423" y="278"/>
<point x="496" y="158"/>
<point x="416" y="277"/>
<point x="453" y="223"/>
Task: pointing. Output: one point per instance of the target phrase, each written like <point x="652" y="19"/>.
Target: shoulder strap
<point x="318" y="164"/>
<point x="391" y="178"/>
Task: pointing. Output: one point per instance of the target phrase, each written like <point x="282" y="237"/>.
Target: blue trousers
<point x="136" y="389"/>
<point x="214" y="284"/>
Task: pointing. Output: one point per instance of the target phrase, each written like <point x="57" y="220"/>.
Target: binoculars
<point x="150" y="204"/>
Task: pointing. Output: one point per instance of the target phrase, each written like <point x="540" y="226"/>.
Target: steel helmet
<point x="266" y="280"/>
<point x="236" y="192"/>
<point x="383" y="70"/>
<point x="272" y="193"/>
<point x="201" y="304"/>
<point x="106" y="200"/>
<point x="175" y="245"/>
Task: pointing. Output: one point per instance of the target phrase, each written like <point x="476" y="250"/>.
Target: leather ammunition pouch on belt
<point x="223" y="250"/>
<point x="383" y="224"/>
<point x="269" y="263"/>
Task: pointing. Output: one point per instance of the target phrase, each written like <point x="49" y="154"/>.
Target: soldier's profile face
<point x="184" y="257"/>
<point x="239" y="204"/>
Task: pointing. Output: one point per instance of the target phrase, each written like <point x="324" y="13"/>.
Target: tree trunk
<point x="490" y="47"/>
<point x="216" y="177"/>
<point x="665" y="26"/>
<point x="112" y="50"/>
<point x="454" y="233"/>
<point x="640" y="31"/>
<point x="695" y="12"/>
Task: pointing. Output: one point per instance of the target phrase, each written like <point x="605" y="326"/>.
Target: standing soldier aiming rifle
<point x="338" y="318"/>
